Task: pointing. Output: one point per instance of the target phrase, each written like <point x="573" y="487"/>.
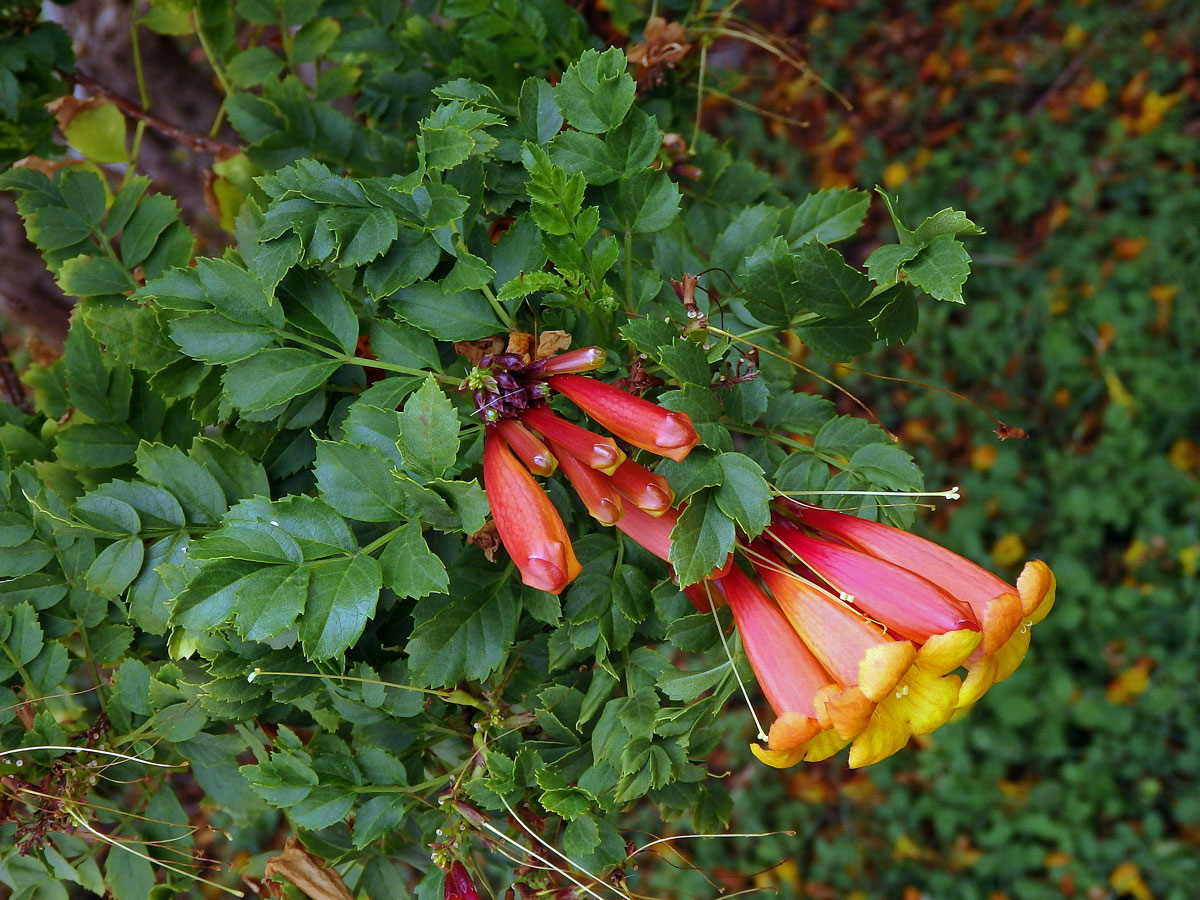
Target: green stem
<point x="509" y="322"/>
<point x="360" y="361"/>
<point x="226" y="87"/>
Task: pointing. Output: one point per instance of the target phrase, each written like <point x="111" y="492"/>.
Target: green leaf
<point x="798" y="412"/>
<point x="886" y="466"/>
<point x="466" y="634"/>
<point x="143" y="230"/>
<point x="941" y="269"/>
<point x="538" y="112"/>
<point x="646" y="202"/>
<point x="826" y="285"/>
<point x="410" y="568"/>
<point x="837" y="340"/>
<point x="884" y="262"/>
<point x="686" y="362"/>
<point x="585" y="154"/>
<point x="428" y="436"/>
<point x="323" y="807"/>
<point x="828" y="216"/>
<point x="115" y="567"/>
<point x="687" y="686"/>
<point x="358" y="482"/>
<point x="702" y="539"/>
<point x="210" y="596"/>
<point x="275" y="376"/>
<point x="129" y="877"/>
<point x="580" y="837"/>
<point x="269" y="601"/>
<point x="411" y="258"/>
<point x="316" y="528"/>
<point x="945" y="221"/>
<point x="99" y="135"/>
<point x="314" y="304"/>
<point x="470" y="273"/>
<point x="596" y="92"/>
<point x="90" y="276"/>
<point x="466" y="316"/>
<point x="751" y="228"/>
<point x="253" y="541"/>
<point x="897" y="321"/>
<point x="341" y="597"/>
<point x="233" y="292"/>
<point x="198" y="492"/>
<point x="25" y="634"/>
<point x="699" y="469"/>
<point x="216" y="340"/>
<point x="743" y="494"/>
<point x="768" y="280"/>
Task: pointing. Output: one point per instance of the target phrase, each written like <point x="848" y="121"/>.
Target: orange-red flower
<point x="632" y="419"/>
<point x="790" y="676"/>
<point x="529" y="526"/>
<point x="1006" y="614"/>
<point x="458" y="884"/>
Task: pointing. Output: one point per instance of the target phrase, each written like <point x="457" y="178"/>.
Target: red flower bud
<point x="458" y="884"/>
<point x="640" y="422"/>
<point x="597" y="492"/>
<point x="529" y="526"/>
<point x="583" y="360"/>
<point x="537" y="458"/>
<point x="649" y="492"/>
<point x="598" y="452"/>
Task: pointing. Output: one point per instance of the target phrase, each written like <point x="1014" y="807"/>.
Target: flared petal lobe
<point x="632" y="419"/>
<point x="529" y="526"/>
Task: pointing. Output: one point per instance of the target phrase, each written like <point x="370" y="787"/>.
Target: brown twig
<point x="198" y="142"/>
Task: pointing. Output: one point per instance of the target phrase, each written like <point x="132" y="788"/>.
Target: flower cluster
<point x="525" y="437"/>
<point x="855" y="631"/>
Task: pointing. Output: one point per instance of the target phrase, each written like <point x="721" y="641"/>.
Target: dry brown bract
<point x="665" y="44"/>
<point x="307" y="872"/>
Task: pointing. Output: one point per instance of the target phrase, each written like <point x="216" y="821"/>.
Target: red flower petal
<point x="649" y="492"/>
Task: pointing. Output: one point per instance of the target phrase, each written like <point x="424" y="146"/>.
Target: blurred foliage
<point x="1071" y="130"/>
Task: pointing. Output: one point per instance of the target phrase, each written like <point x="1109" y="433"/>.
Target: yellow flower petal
<point x="883" y="666"/>
<point x="929" y="701"/>
<point x="943" y="653"/>
<point x="847" y="711"/>
<point x="981" y="675"/>
<point x="1010" y="655"/>
<point x="1036" y="586"/>
<point x="886" y="734"/>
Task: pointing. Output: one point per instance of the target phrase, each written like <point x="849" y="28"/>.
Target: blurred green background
<point x="1071" y="131"/>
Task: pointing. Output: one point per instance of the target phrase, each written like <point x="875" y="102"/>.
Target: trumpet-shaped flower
<point x="1005" y="613"/>
<point x="794" y="682"/>
<point x="896" y="689"/>
<point x="529" y="526"/>
<point x="632" y="419"/>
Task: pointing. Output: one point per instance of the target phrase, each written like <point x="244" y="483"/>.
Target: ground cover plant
<point x="248" y="559"/>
